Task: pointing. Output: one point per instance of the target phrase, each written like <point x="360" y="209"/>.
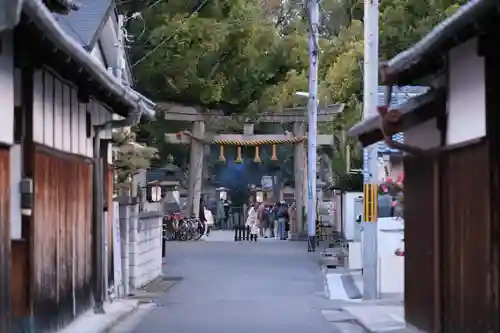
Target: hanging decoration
<point x="221" y="154"/>
<point x="247" y="143"/>
<point x="257" y="156"/>
<point x="239" y="159"/>
<point x="274" y="157"/>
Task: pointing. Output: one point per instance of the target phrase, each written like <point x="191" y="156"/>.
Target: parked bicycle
<point x="179" y="228"/>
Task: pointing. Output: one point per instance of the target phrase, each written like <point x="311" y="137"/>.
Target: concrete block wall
<point x="141" y="245"/>
<point x="145" y="248"/>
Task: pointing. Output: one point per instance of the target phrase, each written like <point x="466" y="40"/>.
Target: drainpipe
<point x="133" y="118"/>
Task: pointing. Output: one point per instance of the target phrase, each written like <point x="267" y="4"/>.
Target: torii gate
<point x="197" y="138"/>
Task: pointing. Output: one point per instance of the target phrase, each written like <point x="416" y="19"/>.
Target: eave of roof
<point x="415" y="111"/>
<point x="45" y="21"/>
<point x="407" y="65"/>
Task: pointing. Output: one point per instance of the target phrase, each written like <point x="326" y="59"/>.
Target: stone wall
<point x="141" y="245"/>
<point x="145" y="248"/>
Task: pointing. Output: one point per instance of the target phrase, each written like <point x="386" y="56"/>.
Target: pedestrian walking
<point x="252" y="222"/>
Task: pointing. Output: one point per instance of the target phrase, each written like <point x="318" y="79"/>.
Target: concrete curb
<point x="350" y="286"/>
<point x="89" y="322"/>
<point x="120" y="318"/>
<point x="324" y="272"/>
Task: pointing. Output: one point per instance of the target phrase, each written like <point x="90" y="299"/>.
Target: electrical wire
<point x="167" y="38"/>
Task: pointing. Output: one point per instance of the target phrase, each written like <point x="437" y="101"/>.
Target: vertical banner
<point x="370" y="205"/>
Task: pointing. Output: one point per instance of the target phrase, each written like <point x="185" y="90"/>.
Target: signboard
<point x="370" y="205"/>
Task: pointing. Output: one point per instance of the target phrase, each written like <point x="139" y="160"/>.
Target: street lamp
<point x="222" y="193"/>
<point x="155" y="189"/>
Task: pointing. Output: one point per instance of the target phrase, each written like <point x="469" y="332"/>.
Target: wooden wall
<point x="467" y="288"/>
<point x="422" y="295"/>
<point x="62" y="245"/>
<point x="450" y="259"/>
<point x="5" y="248"/>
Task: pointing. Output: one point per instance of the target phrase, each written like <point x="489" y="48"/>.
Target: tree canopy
<point x="245" y="56"/>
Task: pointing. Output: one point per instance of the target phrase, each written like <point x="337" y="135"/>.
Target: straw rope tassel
<point x="257" y="156"/>
<point x="221" y="154"/>
<point x="239" y="159"/>
<point x="274" y="157"/>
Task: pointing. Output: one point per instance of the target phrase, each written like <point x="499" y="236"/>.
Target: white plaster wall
<point x="60" y="120"/>
<point x="7" y="88"/>
<point x="390" y="267"/>
<point x="58" y="114"/>
<point x="466" y="99"/>
<point x="48" y="119"/>
<point x="96" y="53"/>
<point x="66" y="118"/>
<point x="425" y="135"/>
<point x="38" y="106"/>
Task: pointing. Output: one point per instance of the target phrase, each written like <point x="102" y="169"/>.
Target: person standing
<point x="292" y="218"/>
<point x="202" y="218"/>
<point x="261" y="217"/>
<point x="227" y="208"/>
<point x="274" y="216"/>
<point x="209" y="217"/>
<point x="252" y="222"/>
<point x="282" y="220"/>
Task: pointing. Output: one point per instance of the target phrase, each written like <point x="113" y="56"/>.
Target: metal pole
<point x="312" y="109"/>
<point x="121" y="49"/>
<point x="370" y="88"/>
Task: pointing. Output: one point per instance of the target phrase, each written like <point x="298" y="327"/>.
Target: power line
<point x="167" y="38"/>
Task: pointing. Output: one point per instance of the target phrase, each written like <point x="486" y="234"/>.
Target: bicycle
<point x="179" y="228"/>
<point x="195" y="229"/>
<point x="173" y="227"/>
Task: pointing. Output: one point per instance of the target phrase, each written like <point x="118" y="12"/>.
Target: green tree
<point x="131" y="158"/>
<point x="247" y="56"/>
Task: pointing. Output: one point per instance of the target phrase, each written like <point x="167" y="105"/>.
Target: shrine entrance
<point x="198" y="139"/>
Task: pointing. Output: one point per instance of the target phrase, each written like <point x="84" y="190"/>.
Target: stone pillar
<point x="298" y="165"/>
<point x="195" y="169"/>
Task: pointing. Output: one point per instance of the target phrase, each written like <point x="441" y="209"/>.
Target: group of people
<point x="268" y="220"/>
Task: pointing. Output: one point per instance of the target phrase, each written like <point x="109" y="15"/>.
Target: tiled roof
<point x="399" y="96"/>
<point x="84" y="24"/>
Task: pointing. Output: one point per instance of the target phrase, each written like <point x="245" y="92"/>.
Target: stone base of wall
<point x="145" y="249"/>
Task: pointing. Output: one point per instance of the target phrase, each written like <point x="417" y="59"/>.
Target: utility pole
<point x="370" y="88"/>
<point x="121" y="48"/>
<point x="312" y="110"/>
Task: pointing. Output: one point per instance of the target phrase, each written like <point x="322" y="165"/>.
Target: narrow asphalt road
<point x="268" y="286"/>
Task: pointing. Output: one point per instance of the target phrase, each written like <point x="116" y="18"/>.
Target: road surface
<point x="268" y="286"/>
